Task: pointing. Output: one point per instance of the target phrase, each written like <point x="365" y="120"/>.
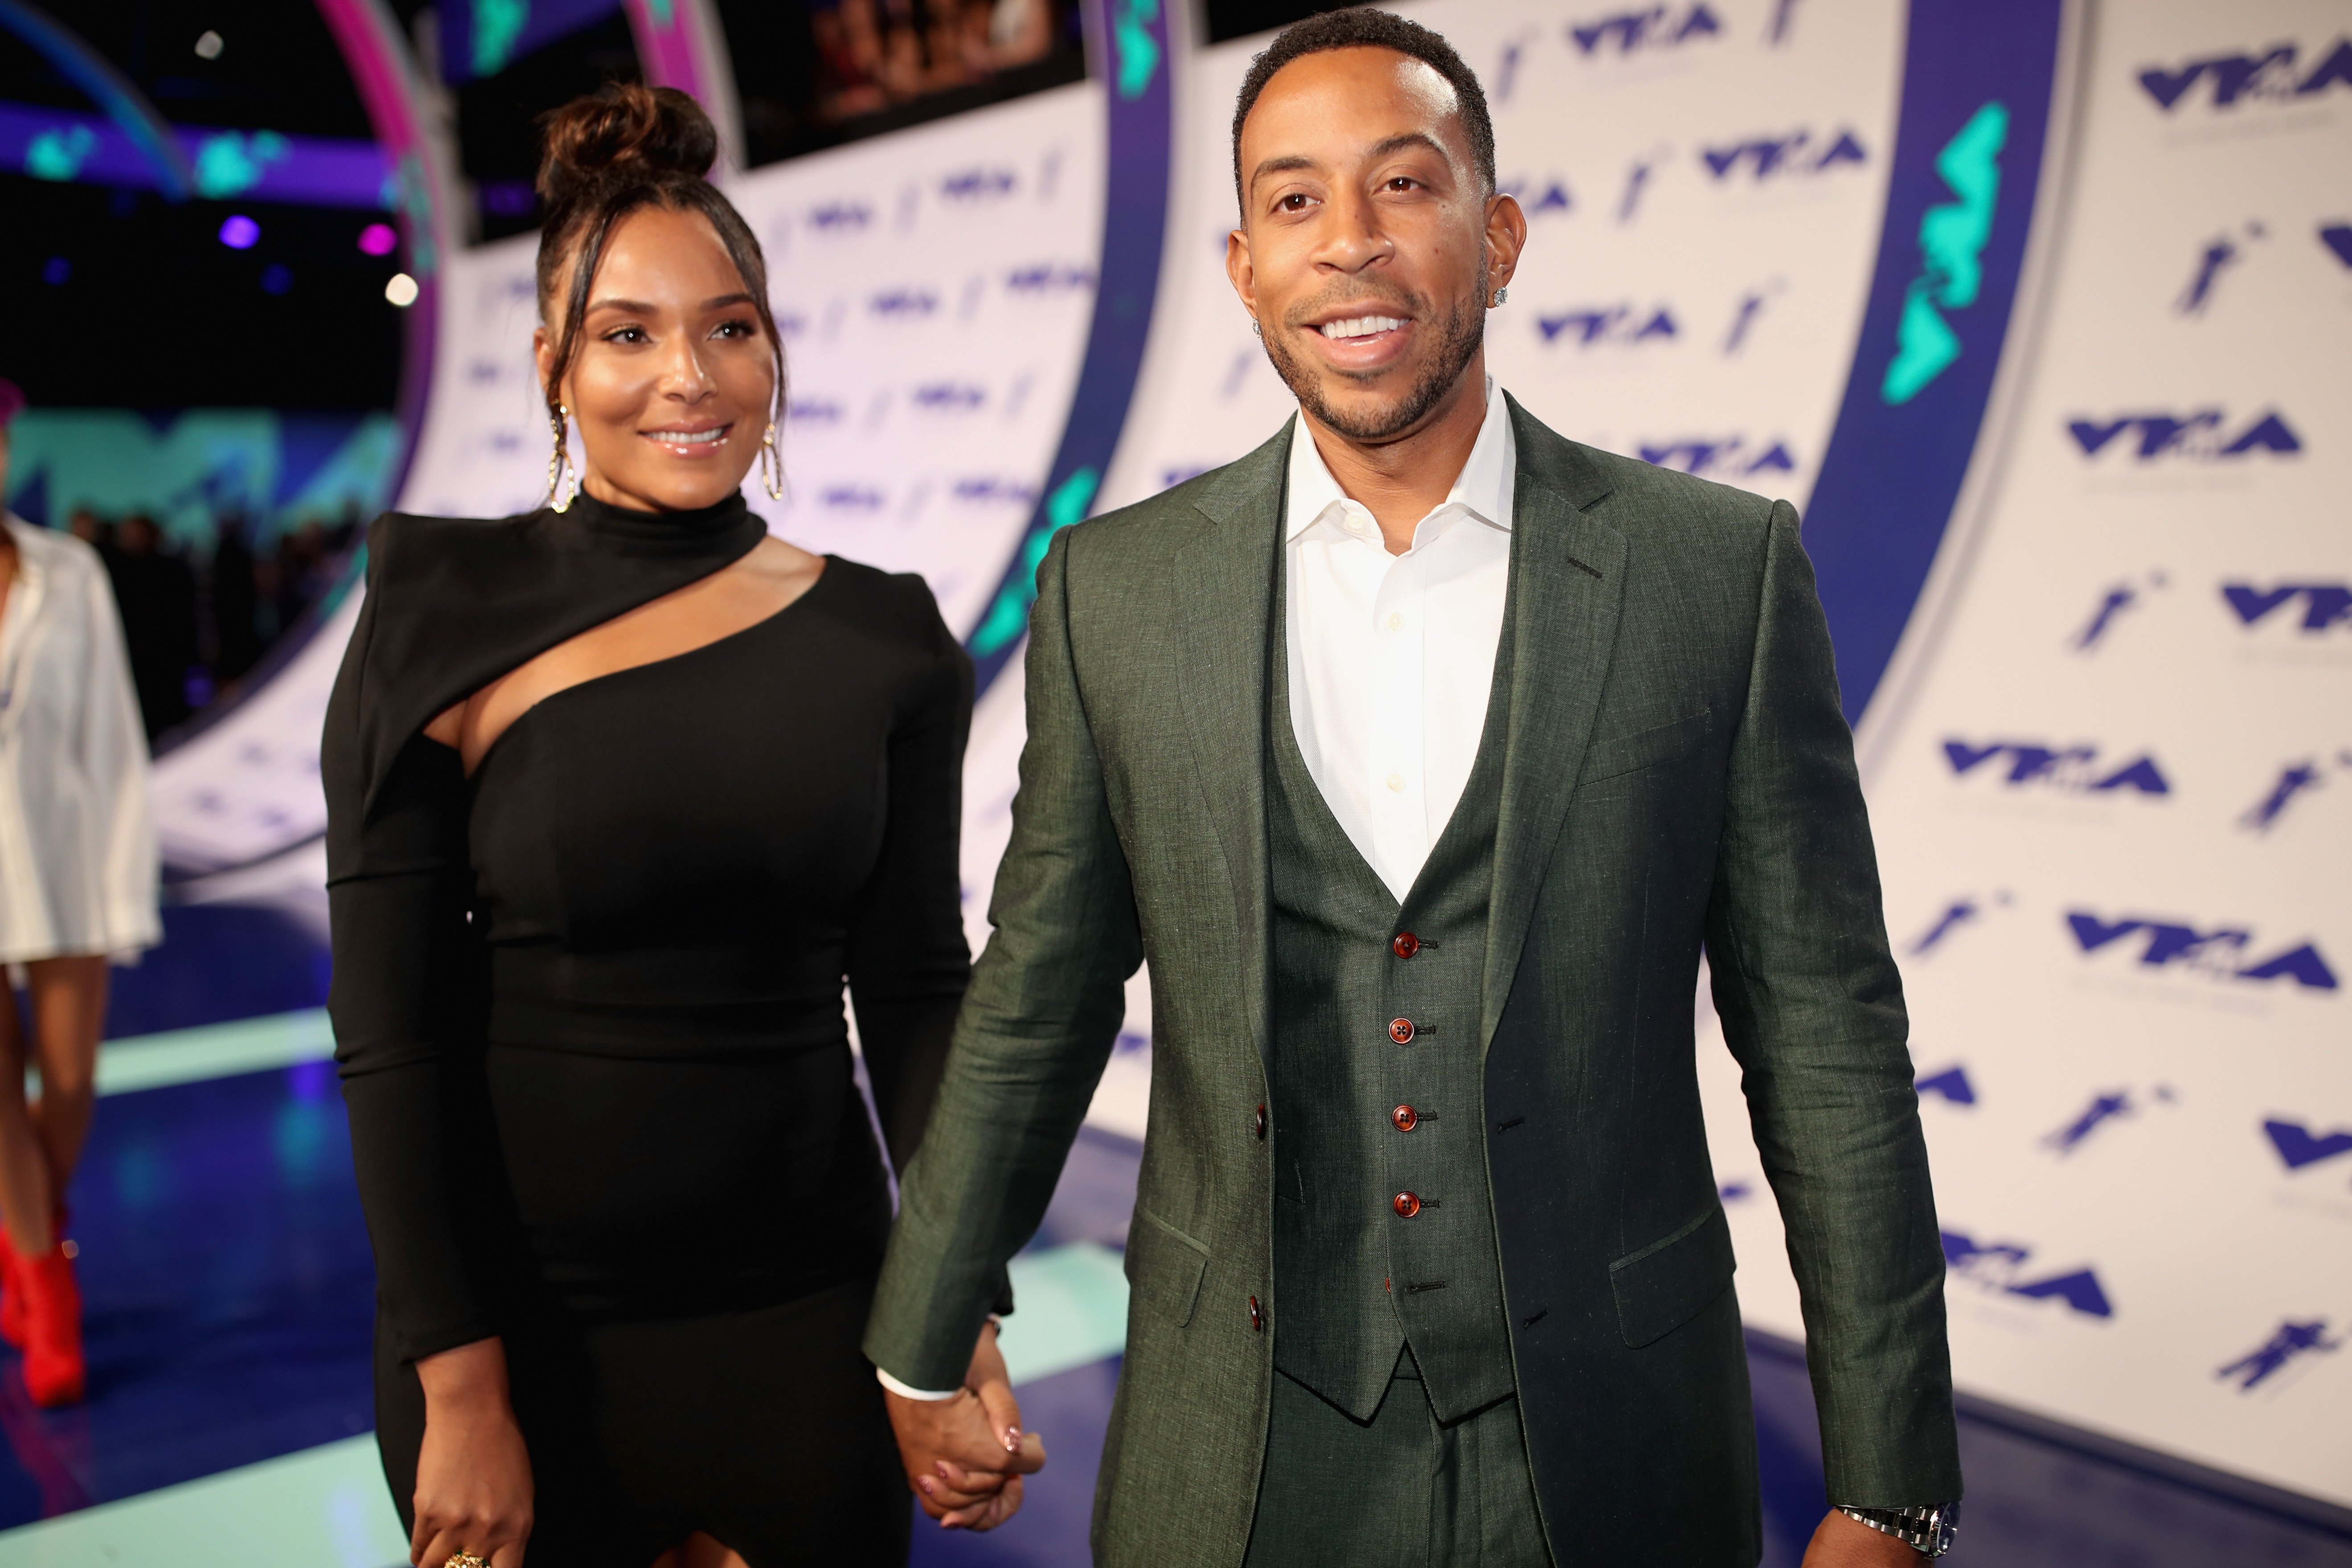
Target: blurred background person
<point x="77" y="885"/>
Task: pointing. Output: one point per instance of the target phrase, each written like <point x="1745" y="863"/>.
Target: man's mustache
<point x="1358" y="300"/>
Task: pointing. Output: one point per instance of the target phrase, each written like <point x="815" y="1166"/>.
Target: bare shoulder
<point x="783" y="561"/>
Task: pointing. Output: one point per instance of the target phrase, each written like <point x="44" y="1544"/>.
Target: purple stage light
<point x="239" y="232"/>
<point x="379" y="239"/>
<point x="276" y="277"/>
<point x="55" y="271"/>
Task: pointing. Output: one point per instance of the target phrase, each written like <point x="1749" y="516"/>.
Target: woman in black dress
<point x="620" y="794"/>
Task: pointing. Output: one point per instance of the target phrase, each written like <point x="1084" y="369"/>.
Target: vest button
<point x="1405" y="1117"/>
<point x="1257" y="1317"/>
<point x="1401" y="1031"/>
<point x="1260" y="1123"/>
<point x="1404" y="945"/>
<point x="1406" y="1205"/>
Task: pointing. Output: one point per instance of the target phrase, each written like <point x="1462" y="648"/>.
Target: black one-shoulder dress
<point x="588" y="1005"/>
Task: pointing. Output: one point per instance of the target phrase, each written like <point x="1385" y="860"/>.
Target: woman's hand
<point x="472" y="1474"/>
<point x="982" y="1426"/>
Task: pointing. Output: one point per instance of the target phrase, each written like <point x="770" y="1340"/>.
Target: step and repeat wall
<point x="2042" y="310"/>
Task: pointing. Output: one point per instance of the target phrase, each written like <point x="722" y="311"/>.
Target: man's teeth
<point x="689" y="437"/>
<point x="1361" y="326"/>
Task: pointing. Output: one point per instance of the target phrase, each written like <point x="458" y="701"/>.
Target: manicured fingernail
<point x="1012" y="1439"/>
<point x="930" y="1488"/>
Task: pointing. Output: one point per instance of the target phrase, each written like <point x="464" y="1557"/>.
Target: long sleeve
<point x="1813" y="1008"/>
<point x="114" y="760"/>
<point x="908" y="961"/>
<point x="406" y="1002"/>
<point x="1030" y="1044"/>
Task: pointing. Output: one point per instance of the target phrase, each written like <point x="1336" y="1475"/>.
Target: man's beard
<point x="1464" y="330"/>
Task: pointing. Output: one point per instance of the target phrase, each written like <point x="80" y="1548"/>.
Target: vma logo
<point x="903" y="304"/>
<point x="1628" y="325"/>
<point x="2203" y="435"/>
<point x="1999" y="1268"/>
<point x="1045" y="277"/>
<point x="2325" y="604"/>
<point x="2216" y="954"/>
<point x="1769" y="160"/>
<point x="2289" y="1342"/>
<point x="1645" y="31"/>
<point x="2102" y="1110"/>
<point x="2299" y="1145"/>
<point x="2274" y="76"/>
<point x="840" y="217"/>
<point x="2119" y="598"/>
<point x="978" y="185"/>
<point x="2073" y="770"/>
<point x="950" y="396"/>
<point x="1732" y="457"/>
<point x="1554" y="197"/>
<point x="2295" y="780"/>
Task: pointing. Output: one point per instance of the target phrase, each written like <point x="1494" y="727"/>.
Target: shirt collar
<point x="1483" y="488"/>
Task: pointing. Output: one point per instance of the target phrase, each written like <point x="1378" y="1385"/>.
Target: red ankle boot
<point x="54" y="1371"/>
<point x="12" y="1295"/>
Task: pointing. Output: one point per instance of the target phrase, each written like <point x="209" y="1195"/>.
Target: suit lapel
<point x="1568" y="576"/>
<point x="1223" y="583"/>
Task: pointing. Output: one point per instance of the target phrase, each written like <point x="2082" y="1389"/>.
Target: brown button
<point x="1405" y="1117"/>
<point x="1405" y="944"/>
<point x="1401" y="1031"/>
<point x="1257" y="1317"/>
<point x="1260" y="1123"/>
<point x="1406" y="1205"/>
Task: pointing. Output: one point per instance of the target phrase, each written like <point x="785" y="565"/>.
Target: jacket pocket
<point x="1164" y="1267"/>
<point x="1645" y="748"/>
<point x="1669" y="1282"/>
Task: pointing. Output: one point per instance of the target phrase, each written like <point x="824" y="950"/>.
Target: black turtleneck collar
<point x="722" y="532"/>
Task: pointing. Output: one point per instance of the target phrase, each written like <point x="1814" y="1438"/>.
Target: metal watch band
<point x="1927" y="1530"/>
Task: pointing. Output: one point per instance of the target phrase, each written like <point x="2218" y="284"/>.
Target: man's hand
<point x="1843" y="1543"/>
<point x="965" y="1457"/>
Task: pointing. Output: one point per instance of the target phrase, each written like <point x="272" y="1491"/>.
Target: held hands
<point x="473" y="1473"/>
<point x="1843" y="1543"/>
<point x="965" y="1457"/>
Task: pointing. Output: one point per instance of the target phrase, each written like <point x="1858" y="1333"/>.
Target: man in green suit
<point x="1421" y="752"/>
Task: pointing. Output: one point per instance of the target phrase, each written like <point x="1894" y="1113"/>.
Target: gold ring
<point x="465" y="1560"/>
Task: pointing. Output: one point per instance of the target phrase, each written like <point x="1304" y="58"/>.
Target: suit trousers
<point x="1398" y="1491"/>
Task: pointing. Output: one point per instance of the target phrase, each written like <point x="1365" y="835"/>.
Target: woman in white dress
<point x="78" y="886"/>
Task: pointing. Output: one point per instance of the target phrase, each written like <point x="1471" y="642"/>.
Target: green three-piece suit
<point x="1540" y="1350"/>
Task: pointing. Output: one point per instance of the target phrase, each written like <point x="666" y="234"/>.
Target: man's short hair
<point x="1362" y="27"/>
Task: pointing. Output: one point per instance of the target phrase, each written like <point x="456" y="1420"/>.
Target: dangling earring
<point x="1257" y="328"/>
<point x="1502" y="294"/>
<point x="559" y="492"/>
<point x="771" y="465"/>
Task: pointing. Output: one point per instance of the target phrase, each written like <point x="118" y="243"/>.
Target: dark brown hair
<point x="1361" y="26"/>
<point x="606" y="155"/>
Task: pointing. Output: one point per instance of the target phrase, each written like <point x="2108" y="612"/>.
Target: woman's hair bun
<point x="623" y="128"/>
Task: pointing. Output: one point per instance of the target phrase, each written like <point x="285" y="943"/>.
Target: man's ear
<point x="1506" y="239"/>
<point x="1240" y="271"/>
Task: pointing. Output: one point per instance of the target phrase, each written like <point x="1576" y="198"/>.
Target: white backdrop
<point x="2125" y="979"/>
<point x="2111" y="766"/>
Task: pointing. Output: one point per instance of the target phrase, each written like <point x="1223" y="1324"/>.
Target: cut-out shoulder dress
<point x="589" y="1012"/>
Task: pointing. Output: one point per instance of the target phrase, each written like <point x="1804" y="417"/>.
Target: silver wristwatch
<point x="1927" y="1530"/>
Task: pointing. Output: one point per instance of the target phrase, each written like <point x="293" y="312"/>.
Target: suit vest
<point x="1383" y="1231"/>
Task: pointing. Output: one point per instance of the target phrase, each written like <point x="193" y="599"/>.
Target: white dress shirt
<point x="1391" y="657"/>
<point x="78" y="870"/>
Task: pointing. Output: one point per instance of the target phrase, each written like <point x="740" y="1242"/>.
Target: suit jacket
<point x="1677" y="775"/>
